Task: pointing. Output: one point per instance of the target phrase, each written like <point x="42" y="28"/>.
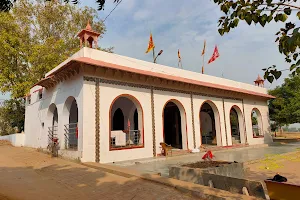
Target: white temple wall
<point x="37" y="115"/>
<point x="183" y="102"/>
<point x="262" y="107"/>
<point x="217" y="106"/>
<point x="108" y="93"/>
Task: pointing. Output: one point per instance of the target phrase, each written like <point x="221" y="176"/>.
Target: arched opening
<point x="118" y="120"/>
<point x="52" y="116"/>
<point x="174" y="124"/>
<point x="236" y="124"/>
<point x="126" y="123"/>
<point x="256" y="120"/>
<point x="136" y="120"/>
<point x="55" y="117"/>
<point x="71" y="126"/>
<point x="208" y="125"/>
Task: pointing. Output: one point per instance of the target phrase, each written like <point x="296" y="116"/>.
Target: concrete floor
<point x="240" y="155"/>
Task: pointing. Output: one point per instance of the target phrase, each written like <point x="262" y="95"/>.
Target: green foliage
<point x="12" y="116"/>
<point x="36" y="36"/>
<point x="263" y="12"/>
<point x="254" y="120"/>
<point x="6" y="5"/>
<point x="285" y="109"/>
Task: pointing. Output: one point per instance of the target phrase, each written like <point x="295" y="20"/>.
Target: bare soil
<point x="206" y="164"/>
<point x="26" y="174"/>
<point x="286" y="165"/>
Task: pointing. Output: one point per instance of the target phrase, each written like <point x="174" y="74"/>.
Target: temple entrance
<point x="235" y="126"/>
<point x="71" y="126"/>
<point x="126" y="119"/>
<point x="172" y="125"/>
<point x="208" y="125"/>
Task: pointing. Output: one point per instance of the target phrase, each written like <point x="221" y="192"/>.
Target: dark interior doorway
<point x="136" y="120"/>
<point x="172" y="125"/>
<point x="234" y="126"/>
<point x="118" y="120"/>
<point x="208" y="125"/>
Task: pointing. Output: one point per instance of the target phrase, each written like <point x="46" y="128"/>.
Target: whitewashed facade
<point x="104" y="95"/>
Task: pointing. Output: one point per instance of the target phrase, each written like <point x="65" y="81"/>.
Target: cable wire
<point x="112" y="10"/>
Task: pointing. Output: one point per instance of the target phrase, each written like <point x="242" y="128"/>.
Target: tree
<point x="263" y="12"/>
<point x="6" y="5"/>
<point x="12" y="116"/>
<point x="285" y="109"/>
<point x="254" y="120"/>
<point x="33" y="41"/>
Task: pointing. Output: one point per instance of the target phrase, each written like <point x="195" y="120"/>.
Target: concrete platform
<point x="195" y="190"/>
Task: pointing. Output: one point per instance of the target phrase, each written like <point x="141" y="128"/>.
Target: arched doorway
<point x="71" y="126"/>
<point x="208" y="125"/>
<point x="55" y="117"/>
<point x="256" y="120"/>
<point x="236" y="124"/>
<point x="126" y="123"/>
<point x="174" y="125"/>
<point x="52" y="116"/>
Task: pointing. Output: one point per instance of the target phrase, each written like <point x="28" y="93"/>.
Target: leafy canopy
<point x="33" y="41"/>
<point x="12" y="115"/>
<point x="263" y="12"/>
<point x="285" y="109"/>
<point x="6" y="5"/>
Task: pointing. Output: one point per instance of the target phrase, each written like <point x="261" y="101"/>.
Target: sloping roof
<point x="114" y="61"/>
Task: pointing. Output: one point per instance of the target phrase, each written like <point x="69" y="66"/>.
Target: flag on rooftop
<point x="215" y="55"/>
<point x="203" y="51"/>
<point x="151" y="44"/>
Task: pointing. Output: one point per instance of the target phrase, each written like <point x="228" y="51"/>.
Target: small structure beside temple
<point x="105" y="107"/>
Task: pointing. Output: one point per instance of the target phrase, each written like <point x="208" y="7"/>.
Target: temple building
<point x="105" y="107"/>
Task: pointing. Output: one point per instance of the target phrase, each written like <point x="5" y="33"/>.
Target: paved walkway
<point x="28" y="175"/>
<point x="240" y="155"/>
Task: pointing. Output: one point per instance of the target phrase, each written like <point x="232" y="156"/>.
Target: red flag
<point x="215" y="55"/>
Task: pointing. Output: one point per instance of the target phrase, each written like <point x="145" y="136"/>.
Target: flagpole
<point x="153" y="54"/>
<point x="203" y="64"/>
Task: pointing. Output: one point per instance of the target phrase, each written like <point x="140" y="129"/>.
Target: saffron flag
<point x="203" y="51"/>
<point x="179" y="57"/>
<point x="151" y="44"/>
<point x="215" y="55"/>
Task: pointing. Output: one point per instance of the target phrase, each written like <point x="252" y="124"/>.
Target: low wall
<point x="17" y="139"/>
<point x="226" y="177"/>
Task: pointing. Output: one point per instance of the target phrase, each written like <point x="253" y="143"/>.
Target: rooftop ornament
<point x="259" y="81"/>
<point x="88" y="37"/>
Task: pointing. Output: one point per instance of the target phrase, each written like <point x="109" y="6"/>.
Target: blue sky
<point x="184" y="25"/>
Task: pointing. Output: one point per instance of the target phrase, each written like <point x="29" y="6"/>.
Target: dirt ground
<point x="286" y="165"/>
<point x="26" y="174"/>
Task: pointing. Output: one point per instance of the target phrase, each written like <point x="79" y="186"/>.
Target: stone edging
<point x="195" y="190"/>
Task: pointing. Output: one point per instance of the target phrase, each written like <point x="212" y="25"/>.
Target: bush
<point x="12" y="116"/>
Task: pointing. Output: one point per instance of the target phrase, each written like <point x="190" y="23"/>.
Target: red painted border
<point x="177" y="101"/>
<point x="238" y="122"/>
<point x="263" y="135"/>
<point x="210" y="101"/>
<point x="155" y="74"/>
<point x="132" y="98"/>
<point x="41" y="89"/>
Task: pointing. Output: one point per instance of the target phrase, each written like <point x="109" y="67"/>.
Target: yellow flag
<point x="151" y="44"/>
<point x="203" y="51"/>
<point x="179" y="57"/>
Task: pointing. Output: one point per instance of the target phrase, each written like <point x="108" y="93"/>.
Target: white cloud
<point x="185" y="25"/>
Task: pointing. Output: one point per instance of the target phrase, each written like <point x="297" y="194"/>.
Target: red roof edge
<point x="169" y="77"/>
